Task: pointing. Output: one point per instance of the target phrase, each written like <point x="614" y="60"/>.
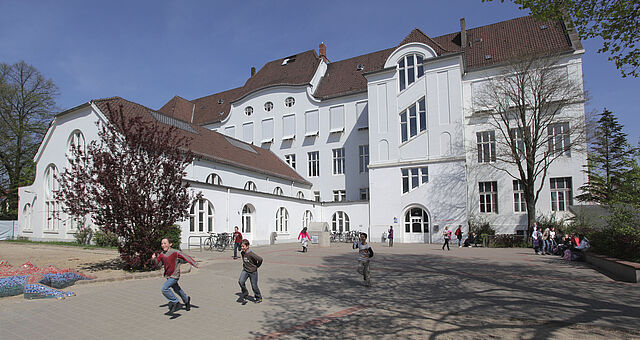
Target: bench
<point x="621" y="270"/>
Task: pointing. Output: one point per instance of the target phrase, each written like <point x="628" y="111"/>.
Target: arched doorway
<point x="416" y="225"/>
<point x="248" y="218"/>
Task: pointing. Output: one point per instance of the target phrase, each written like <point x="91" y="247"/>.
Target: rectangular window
<point x="413" y="120"/>
<point x="336" y="117"/>
<point x="486" y="142"/>
<point x="291" y="160"/>
<point x="363" y="151"/>
<point x="247" y="132"/>
<point x="338" y="161"/>
<point x="488" y="197"/>
<point x="311" y="123"/>
<point x="519" y="204"/>
<point x="517" y="139"/>
<point x="316" y="196"/>
<point x="362" y="115"/>
<point x="339" y="195"/>
<point x="559" y="143"/>
<point x="267" y="130"/>
<point x="561" y="193"/>
<point x="288" y="127"/>
<point x="414" y="177"/>
<point x="314" y="163"/>
<point x="364" y="194"/>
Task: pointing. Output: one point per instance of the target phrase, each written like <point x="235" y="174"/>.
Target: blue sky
<point x="149" y="51"/>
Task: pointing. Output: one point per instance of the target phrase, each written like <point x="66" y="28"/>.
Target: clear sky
<point x="149" y="51"/>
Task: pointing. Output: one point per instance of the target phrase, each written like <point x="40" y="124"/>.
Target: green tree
<point x="27" y="105"/>
<point x="615" y="21"/>
<point x="609" y="162"/>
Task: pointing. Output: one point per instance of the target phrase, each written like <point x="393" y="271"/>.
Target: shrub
<point x="105" y="239"/>
<point x="480" y="226"/>
<point x="507" y="241"/>
<point x="84" y="232"/>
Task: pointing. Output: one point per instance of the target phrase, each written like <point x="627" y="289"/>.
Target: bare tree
<point x="536" y="108"/>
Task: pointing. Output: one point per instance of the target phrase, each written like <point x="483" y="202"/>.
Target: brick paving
<point x="418" y="292"/>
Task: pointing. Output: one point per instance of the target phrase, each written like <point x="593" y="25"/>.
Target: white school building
<point x="386" y="138"/>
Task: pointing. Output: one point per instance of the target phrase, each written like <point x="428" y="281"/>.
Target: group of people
<point x="550" y="242"/>
<point x="446" y="234"/>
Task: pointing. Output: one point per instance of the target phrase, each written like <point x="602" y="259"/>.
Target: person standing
<point x="237" y="240"/>
<point x="365" y="252"/>
<point x="304" y="239"/>
<point x="459" y="236"/>
<point x="546" y="242"/>
<point x="446" y="234"/>
<point x="390" y="236"/>
<point x="171" y="260"/>
<point x="535" y="239"/>
<point x="250" y="264"/>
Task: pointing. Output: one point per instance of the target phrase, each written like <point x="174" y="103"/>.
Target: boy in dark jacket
<point x="250" y="264"/>
<point x="172" y="259"/>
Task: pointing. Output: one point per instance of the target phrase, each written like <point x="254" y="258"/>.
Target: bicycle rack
<point x="200" y="241"/>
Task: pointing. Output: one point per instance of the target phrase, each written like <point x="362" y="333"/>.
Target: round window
<point x="268" y="106"/>
<point x="248" y="110"/>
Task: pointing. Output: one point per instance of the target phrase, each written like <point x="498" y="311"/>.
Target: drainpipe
<point x="228" y="208"/>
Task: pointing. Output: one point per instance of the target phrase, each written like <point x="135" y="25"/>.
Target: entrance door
<point x="416" y="226"/>
<point x="247" y="222"/>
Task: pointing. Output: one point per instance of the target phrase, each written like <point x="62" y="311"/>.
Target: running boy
<point x="365" y="252"/>
<point x="250" y="264"/>
<point x="172" y="259"/>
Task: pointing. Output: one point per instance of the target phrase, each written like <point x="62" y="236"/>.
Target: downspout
<point x="228" y="207"/>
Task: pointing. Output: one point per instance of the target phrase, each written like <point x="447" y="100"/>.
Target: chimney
<point x="322" y="51"/>
<point x="253" y="71"/>
<point x="463" y="33"/>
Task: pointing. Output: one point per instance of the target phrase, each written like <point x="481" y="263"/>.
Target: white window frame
<point x="488" y="197"/>
<point x="362" y="115"/>
<point x="486" y="145"/>
<point x="414" y="177"/>
<point x="413" y="120"/>
<point x="289" y="126"/>
<point x="267" y="131"/>
<point x="340" y="195"/>
<point x="340" y="221"/>
<point x="338" y="161"/>
<point x="251" y="186"/>
<point x="282" y="220"/>
<point x="289" y="102"/>
<point x="313" y="162"/>
<point x="519" y="203"/>
<point x="268" y="106"/>
<point x="363" y="152"/>
<point x="307" y="218"/>
<point x="559" y="139"/>
<point x="248" y="111"/>
<point x="336" y="119"/>
<point x="300" y="195"/>
<point x="278" y="191"/>
<point x="316" y="196"/>
<point x="311" y="123"/>
<point x="409" y="74"/>
<point x="52" y="206"/>
<point x="291" y="160"/>
<point x="214" y="179"/>
<point x="561" y="189"/>
<point x="201" y="216"/>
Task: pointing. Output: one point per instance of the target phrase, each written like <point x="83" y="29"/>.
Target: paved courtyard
<point x="418" y="292"/>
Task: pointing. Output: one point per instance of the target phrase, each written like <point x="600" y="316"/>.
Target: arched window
<point x="76" y="141"/>
<point x="268" y="106"/>
<point x="52" y="207"/>
<point x="214" y="179"/>
<point x="278" y="191"/>
<point x="248" y="110"/>
<point x="248" y="212"/>
<point x="416" y="220"/>
<point x="201" y="216"/>
<point x="26" y="217"/>
<point x="300" y="194"/>
<point x="410" y="69"/>
<point x="307" y="218"/>
<point x="250" y="186"/>
<point x="282" y="220"/>
<point x="340" y="221"/>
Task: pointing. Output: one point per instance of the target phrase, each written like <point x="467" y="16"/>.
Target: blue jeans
<point x="236" y="247"/>
<point x="547" y="246"/>
<point x="166" y="291"/>
<point x="244" y="275"/>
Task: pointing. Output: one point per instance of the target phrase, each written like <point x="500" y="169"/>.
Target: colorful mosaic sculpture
<point x="37" y="283"/>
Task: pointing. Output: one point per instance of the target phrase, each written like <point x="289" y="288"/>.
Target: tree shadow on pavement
<point x="420" y="296"/>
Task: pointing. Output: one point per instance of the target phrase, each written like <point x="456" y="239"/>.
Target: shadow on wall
<point x="411" y="294"/>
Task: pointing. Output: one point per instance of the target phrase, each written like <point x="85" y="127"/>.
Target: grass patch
<point x="61" y="243"/>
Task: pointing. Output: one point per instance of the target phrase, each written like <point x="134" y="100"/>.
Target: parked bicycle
<point x="218" y="241"/>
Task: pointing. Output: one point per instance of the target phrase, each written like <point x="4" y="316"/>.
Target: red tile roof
<point x="212" y="145"/>
<point x="489" y="45"/>
<point x="178" y="108"/>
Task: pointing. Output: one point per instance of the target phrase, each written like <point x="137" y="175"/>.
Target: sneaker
<point x="257" y="300"/>
<point x="187" y="304"/>
<point x="173" y="307"/>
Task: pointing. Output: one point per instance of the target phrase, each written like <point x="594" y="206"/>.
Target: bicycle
<point x="222" y="241"/>
<point x="209" y="241"/>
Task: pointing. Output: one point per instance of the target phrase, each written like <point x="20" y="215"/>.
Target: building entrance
<point x="416" y="226"/>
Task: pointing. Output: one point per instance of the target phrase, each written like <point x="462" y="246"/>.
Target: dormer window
<point x="248" y="110"/>
<point x="220" y="101"/>
<point x="288" y="60"/>
<point x="268" y="106"/>
<point x="289" y="102"/>
<point x="410" y="69"/>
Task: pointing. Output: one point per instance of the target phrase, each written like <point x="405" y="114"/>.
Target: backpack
<point x="370" y="251"/>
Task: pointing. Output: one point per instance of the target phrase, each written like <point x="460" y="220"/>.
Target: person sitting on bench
<point x="470" y="239"/>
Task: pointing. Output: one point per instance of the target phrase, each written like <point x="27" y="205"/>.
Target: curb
<point x="121" y="278"/>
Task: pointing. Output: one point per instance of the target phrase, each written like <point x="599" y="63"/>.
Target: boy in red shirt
<point x="237" y="240"/>
<point x="172" y="259"/>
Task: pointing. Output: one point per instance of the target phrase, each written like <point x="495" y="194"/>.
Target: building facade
<point x="386" y="138"/>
